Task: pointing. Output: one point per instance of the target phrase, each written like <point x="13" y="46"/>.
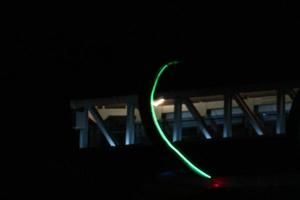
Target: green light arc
<point x="185" y="160"/>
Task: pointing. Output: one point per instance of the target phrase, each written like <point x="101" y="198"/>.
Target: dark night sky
<point x="128" y="38"/>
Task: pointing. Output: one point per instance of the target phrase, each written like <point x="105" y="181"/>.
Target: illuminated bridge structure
<point x="185" y="116"/>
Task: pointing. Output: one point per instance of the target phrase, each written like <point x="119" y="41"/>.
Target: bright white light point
<point x="158" y="102"/>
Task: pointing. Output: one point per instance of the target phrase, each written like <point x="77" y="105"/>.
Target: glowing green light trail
<point x="192" y="166"/>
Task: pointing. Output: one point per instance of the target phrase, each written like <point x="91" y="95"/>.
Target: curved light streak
<point x="185" y="160"/>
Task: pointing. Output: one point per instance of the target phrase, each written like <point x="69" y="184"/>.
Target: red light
<point x="216" y="185"/>
<point x="218" y="182"/>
